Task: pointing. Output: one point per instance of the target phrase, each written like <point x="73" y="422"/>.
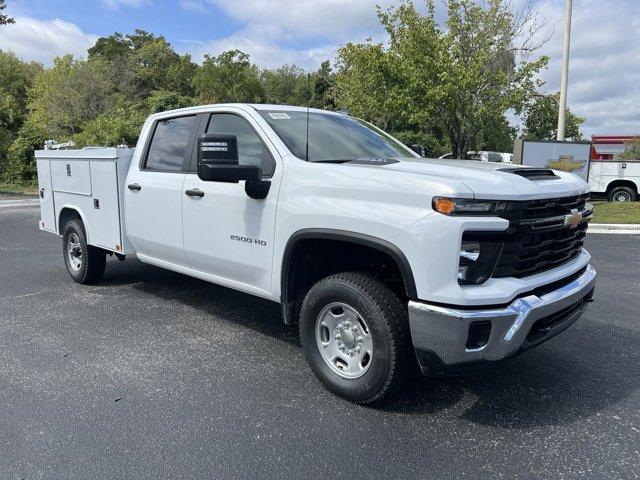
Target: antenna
<point x="306" y="153"/>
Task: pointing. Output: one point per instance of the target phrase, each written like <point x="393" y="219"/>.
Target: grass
<point x="616" y="212"/>
<point x="10" y="188"/>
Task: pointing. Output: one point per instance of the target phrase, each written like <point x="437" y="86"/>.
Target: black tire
<point x="93" y="260"/>
<point x="386" y="318"/>
<point x="622" y="194"/>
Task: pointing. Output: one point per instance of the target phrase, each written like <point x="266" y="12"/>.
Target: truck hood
<point x="485" y="179"/>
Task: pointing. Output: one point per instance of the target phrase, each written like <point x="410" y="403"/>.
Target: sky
<point x="604" y="77"/>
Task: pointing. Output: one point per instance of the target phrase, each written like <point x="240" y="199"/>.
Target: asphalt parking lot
<point x="154" y="374"/>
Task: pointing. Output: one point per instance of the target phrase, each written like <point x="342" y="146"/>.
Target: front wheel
<point x="85" y="263"/>
<point x="355" y="335"/>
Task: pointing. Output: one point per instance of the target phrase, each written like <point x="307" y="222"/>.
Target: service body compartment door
<point x="45" y="189"/>
<point x="71" y="176"/>
<point x="105" y="212"/>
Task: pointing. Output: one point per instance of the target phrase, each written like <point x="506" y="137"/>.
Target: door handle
<point x="134" y="186"/>
<point x="194" y="193"/>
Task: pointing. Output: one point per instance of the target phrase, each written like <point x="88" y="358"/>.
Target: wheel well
<point x="308" y="260"/>
<point x="67" y="214"/>
<point x="622" y="183"/>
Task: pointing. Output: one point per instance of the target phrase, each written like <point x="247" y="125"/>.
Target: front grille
<point x="537" y="238"/>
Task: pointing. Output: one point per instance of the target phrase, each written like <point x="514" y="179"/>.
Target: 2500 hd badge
<point x="255" y="241"/>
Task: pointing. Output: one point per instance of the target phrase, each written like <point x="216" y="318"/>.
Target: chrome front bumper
<point x="441" y="334"/>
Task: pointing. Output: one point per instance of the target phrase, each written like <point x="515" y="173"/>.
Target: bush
<point x="20" y="165"/>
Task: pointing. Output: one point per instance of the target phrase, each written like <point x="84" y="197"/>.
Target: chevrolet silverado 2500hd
<point x="385" y="259"/>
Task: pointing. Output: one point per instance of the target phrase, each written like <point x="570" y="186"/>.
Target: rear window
<point x="169" y="142"/>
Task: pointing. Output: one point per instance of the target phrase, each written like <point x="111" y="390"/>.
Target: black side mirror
<point x="419" y="149"/>
<point x="218" y="160"/>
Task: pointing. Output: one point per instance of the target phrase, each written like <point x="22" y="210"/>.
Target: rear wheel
<point x="622" y="194"/>
<point x="85" y="263"/>
<point x="355" y="335"/>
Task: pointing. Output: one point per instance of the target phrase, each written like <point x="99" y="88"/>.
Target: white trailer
<point x="89" y="182"/>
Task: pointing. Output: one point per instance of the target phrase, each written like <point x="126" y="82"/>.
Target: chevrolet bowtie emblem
<point x="566" y="163"/>
<point x="573" y="219"/>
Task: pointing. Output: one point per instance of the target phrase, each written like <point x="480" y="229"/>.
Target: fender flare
<point x="346" y="236"/>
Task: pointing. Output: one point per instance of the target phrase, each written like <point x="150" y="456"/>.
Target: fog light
<point x="477" y="261"/>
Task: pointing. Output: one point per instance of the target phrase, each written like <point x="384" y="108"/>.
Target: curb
<point x="615" y="228"/>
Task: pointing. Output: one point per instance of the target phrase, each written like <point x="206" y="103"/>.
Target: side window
<point x="169" y="143"/>
<point x="251" y="150"/>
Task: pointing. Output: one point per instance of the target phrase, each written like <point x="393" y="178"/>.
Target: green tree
<point x="20" y="165"/>
<point x="286" y="85"/>
<point x="16" y="77"/>
<point x="323" y="82"/>
<point x="141" y="62"/>
<point x="631" y="151"/>
<point x="69" y="94"/>
<point x="541" y="119"/>
<point x="4" y="19"/>
<point x="454" y="79"/>
<point x="228" y="77"/>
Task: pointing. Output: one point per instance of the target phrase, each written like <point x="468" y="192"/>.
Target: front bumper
<point x="447" y="338"/>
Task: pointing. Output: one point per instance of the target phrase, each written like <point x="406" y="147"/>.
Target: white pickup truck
<point x="385" y="259"/>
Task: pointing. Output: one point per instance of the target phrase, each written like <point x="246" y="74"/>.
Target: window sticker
<point x="279" y="116"/>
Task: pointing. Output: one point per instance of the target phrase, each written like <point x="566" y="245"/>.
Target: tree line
<point x="447" y="87"/>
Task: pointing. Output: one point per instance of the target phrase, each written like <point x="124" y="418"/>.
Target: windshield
<point x="332" y="137"/>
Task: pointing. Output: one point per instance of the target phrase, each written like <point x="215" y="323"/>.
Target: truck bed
<point x="90" y="181"/>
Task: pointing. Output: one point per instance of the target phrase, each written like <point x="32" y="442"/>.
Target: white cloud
<point x="192" y="5"/>
<point x="604" y="66"/>
<point x="307" y="18"/>
<point x="42" y="40"/>
<point x="116" y="4"/>
<point x="262" y="43"/>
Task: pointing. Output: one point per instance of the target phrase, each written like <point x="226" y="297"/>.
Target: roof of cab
<point x="254" y="106"/>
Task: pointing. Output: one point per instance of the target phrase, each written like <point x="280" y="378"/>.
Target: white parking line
<point x="31" y="202"/>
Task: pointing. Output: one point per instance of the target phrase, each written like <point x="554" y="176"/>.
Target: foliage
<point x="457" y="79"/>
<point x="4" y="19"/>
<point x="20" y="165"/>
<point x="541" y="119"/>
<point x="68" y="95"/>
<point x="631" y="151"/>
<point x="16" y="77"/>
<point x="141" y="62"/>
<point x="228" y="77"/>
<point x="286" y="85"/>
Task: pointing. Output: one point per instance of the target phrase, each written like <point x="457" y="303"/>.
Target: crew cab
<point x="387" y="260"/>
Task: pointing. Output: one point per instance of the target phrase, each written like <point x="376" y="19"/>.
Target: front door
<point x="228" y="235"/>
<point x="154" y="191"/>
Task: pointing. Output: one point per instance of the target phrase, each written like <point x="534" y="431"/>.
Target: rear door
<point x="227" y="234"/>
<point x="154" y="192"/>
<point x="45" y="188"/>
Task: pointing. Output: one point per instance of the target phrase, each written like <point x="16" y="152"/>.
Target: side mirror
<point x="419" y="149"/>
<point x="218" y="160"/>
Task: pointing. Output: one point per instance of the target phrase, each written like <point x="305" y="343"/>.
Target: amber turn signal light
<point x="444" y="205"/>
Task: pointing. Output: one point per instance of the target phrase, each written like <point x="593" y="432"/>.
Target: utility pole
<point x="565" y="72"/>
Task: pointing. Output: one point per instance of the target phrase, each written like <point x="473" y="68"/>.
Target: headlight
<point x="477" y="261"/>
<point x="467" y="206"/>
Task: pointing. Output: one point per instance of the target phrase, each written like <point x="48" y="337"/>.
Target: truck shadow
<point x="576" y="375"/>
<point x="584" y="371"/>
